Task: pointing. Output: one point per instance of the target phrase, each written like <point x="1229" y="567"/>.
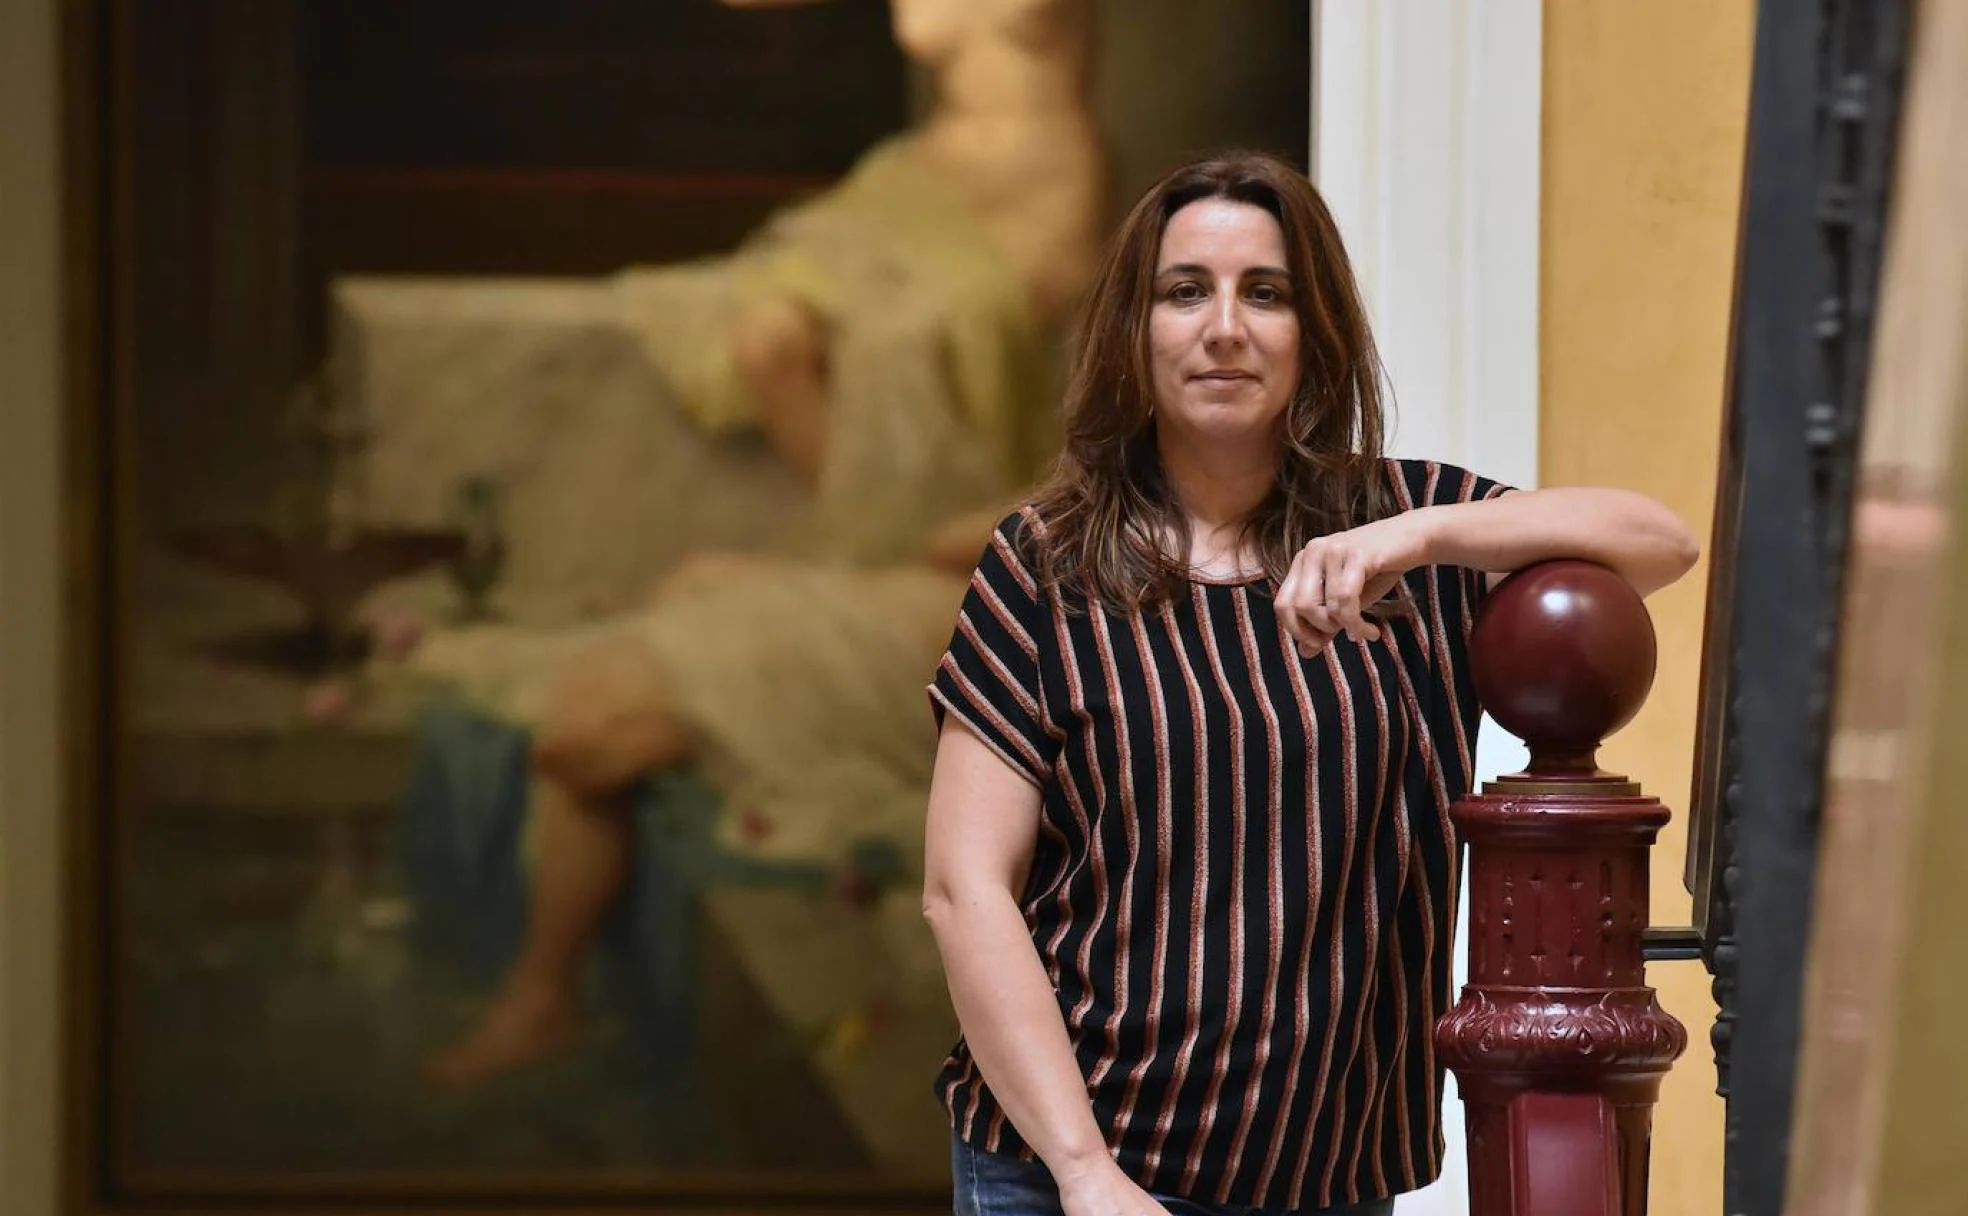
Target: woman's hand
<point x="1336" y="579"/>
<point x="1101" y="1189"/>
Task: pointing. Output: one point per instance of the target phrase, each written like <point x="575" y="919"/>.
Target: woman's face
<point x="1222" y="334"/>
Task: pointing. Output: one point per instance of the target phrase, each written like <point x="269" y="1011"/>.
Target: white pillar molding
<point x="1426" y="146"/>
<point x="1426" y="134"/>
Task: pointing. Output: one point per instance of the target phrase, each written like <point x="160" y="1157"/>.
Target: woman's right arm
<point x="983" y="826"/>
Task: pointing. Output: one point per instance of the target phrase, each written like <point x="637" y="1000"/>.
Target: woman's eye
<point x="1186" y="293"/>
<point x="1266" y="293"/>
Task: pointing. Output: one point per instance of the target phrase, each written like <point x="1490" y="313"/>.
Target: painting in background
<point x="485" y="361"/>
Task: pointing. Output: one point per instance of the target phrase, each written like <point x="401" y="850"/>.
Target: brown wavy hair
<point x="1108" y="500"/>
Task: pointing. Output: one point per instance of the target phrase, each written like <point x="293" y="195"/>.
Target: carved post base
<point x="1557" y="1043"/>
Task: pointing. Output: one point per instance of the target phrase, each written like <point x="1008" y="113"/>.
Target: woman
<point x="1188" y="860"/>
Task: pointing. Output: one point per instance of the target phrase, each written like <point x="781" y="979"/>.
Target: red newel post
<point x="1557" y="1043"/>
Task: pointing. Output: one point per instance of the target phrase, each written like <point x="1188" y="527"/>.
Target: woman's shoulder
<point x="1024" y="529"/>
<point x="1421" y="481"/>
<point x="1018" y="541"/>
<point x="1415" y="470"/>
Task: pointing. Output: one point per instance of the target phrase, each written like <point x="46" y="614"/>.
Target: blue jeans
<point x="994" y="1184"/>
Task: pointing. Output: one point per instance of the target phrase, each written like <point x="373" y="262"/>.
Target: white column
<point x="1425" y="143"/>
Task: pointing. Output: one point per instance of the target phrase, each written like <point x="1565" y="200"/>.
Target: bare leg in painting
<point x="606" y="725"/>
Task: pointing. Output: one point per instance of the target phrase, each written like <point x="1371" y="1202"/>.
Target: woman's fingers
<point x="1344" y="583"/>
<point x="1311" y="637"/>
<point x="1333" y="584"/>
<point x="1301" y="603"/>
<point x="1380" y="599"/>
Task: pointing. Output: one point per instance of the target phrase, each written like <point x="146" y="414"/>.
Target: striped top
<point x="1243" y="888"/>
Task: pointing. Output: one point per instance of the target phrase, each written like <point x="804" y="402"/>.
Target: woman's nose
<point x="1224" y="325"/>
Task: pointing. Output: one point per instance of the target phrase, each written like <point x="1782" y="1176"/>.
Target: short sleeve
<point x="1457" y="592"/>
<point x="1449" y="598"/>
<point x="989" y="677"/>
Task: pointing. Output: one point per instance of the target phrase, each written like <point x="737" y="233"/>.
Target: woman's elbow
<point x="1687" y="555"/>
<point x="937" y="904"/>
<point x="944" y="902"/>
<point x="1671" y="550"/>
<point x="1681" y="550"/>
<point x="953" y="905"/>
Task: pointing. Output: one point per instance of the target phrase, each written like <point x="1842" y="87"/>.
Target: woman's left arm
<point x="1336" y="579"/>
<point x="1636" y="536"/>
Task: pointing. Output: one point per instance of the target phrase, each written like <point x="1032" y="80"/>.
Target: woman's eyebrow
<point x="1271" y="272"/>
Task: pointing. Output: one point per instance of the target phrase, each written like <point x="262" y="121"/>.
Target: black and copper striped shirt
<point x="1244" y="884"/>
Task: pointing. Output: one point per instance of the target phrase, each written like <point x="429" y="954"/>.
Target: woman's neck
<point x="1218" y="489"/>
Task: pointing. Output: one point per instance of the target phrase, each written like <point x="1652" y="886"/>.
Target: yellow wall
<point x="1644" y="113"/>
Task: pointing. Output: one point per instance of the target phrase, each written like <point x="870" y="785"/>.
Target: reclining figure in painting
<point x="889" y="344"/>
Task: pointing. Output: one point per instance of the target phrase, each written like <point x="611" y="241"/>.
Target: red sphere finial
<point x="1562" y="656"/>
